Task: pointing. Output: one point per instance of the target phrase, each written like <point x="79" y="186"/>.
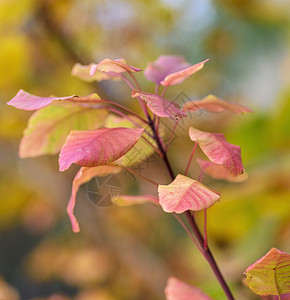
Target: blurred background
<point x="128" y="253"/>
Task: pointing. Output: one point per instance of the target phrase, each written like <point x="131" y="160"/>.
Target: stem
<point x="134" y="79"/>
<point x="164" y="90"/>
<point x="190" y="158"/>
<point x="157" y="150"/>
<point x="141" y="102"/>
<point x="205" y="251"/>
<point x="157" y="88"/>
<point x="139" y="175"/>
<point x="208" y="255"/>
<point x="127" y="110"/>
<point x="187" y="231"/>
<point x="205" y="246"/>
<point x="171" y="135"/>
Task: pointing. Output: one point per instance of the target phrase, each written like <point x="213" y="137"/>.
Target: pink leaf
<point x="270" y="275"/>
<point x="184" y="194"/>
<point x="178" y="290"/>
<point x="178" y="77"/>
<point x="84" y="175"/>
<point x="84" y="72"/>
<point x="212" y="103"/>
<point x="219" y="172"/>
<point x="165" y="65"/>
<point x="113" y="66"/>
<point x="26" y="101"/>
<point x="97" y="147"/>
<point x="218" y="150"/>
<point x="128" y="200"/>
<point x="160" y="106"/>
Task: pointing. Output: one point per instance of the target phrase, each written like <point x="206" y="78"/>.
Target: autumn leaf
<point x="84" y="72"/>
<point x="218" y="150"/>
<point x="212" y="103"/>
<point x="184" y="194"/>
<point x="97" y="147"/>
<point x="180" y="76"/>
<point x="141" y="150"/>
<point x="84" y="175"/>
<point x="178" y="290"/>
<point x="112" y="66"/>
<point x="26" y="101"/>
<point x="171" y="69"/>
<point x="48" y="127"/>
<point x="217" y="171"/>
<point x="160" y="106"/>
<point x="270" y="275"/>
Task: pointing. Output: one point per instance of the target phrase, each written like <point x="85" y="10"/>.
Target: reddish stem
<point x="190" y="158"/>
<point x="191" y="220"/>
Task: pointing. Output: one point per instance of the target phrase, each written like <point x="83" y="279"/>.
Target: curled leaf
<point x="84" y="72"/>
<point x="212" y="103"/>
<point x="128" y="200"/>
<point x="180" y="76"/>
<point x="219" y="171"/>
<point x="26" y="101"/>
<point x="184" y="194"/>
<point x="270" y="275"/>
<point x="218" y="150"/>
<point x="97" y="147"/>
<point x="179" y="290"/>
<point x="84" y="175"/>
<point x="48" y="127"/>
<point x="163" y="66"/>
<point x="113" y="66"/>
<point x="160" y="106"/>
<point x="141" y="151"/>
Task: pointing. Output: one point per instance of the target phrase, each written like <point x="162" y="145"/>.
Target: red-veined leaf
<point x="84" y="175"/>
<point x="178" y="290"/>
<point x="48" y="127"/>
<point x="212" y="103"/>
<point x="113" y="66"/>
<point x="84" y="72"/>
<point x="160" y="106"/>
<point x="218" y="150"/>
<point x="128" y="200"/>
<point x="180" y="76"/>
<point x="184" y="194"/>
<point x="141" y="151"/>
<point x="270" y="275"/>
<point x="165" y="65"/>
<point x="97" y="147"/>
<point x="26" y="101"/>
<point x="219" y="171"/>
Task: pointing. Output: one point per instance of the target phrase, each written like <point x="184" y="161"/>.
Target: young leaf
<point x="163" y="66"/>
<point x="212" y="103"/>
<point x="97" y="147"/>
<point x="84" y="175"/>
<point x="160" y="106"/>
<point x="180" y="76"/>
<point x="113" y="66"/>
<point x="218" y="150"/>
<point x="178" y="290"/>
<point x="84" y="72"/>
<point x="128" y="200"/>
<point x="26" y="101"/>
<point x="270" y="275"/>
<point x="184" y="194"/>
<point x="48" y="127"/>
<point x="219" y="172"/>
